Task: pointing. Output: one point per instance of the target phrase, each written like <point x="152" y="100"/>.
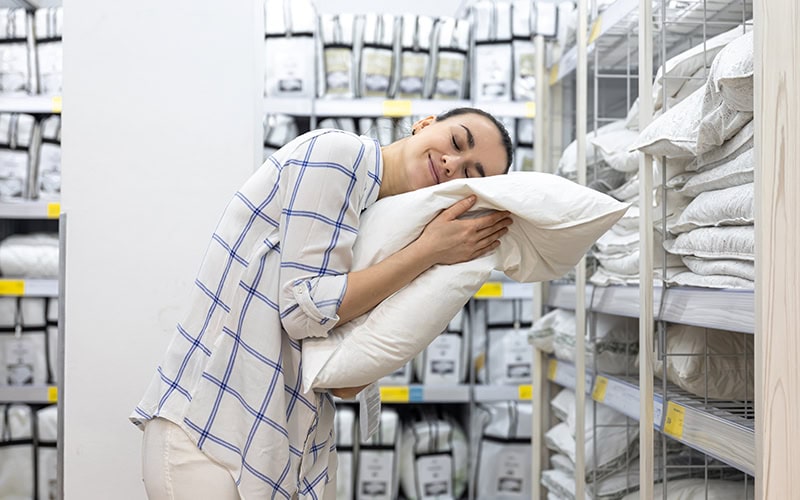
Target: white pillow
<point x="678" y="132"/>
<point x="688" y="278"/>
<point x="724" y="242"/>
<point x="734" y="172"/>
<point x="728" y="267"/>
<point x="690" y="489"/>
<point x="555" y="222"/>
<point x="543" y="330"/>
<point x="733" y="206"/>
<point x="689" y="62"/>
<point x="728" y="93"/>
<point x="733" y="147"/>
<point x="709" y="363"/>
<point x="509" y="359"/>
<point x="613" y="147"/>
<point x="732" y="73"/>
<point x="628" y="191"/>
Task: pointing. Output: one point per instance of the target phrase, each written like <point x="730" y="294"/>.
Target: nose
<point x="451" y="164"/>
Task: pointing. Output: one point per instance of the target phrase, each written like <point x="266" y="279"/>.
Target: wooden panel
<point x="777" y="77"/>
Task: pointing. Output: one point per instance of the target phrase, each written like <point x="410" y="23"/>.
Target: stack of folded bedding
<point x="433" y="459"/>
<point x="609" y="446"/>
<point x="708" y="489"/>
<point x="32" y="255"/>
<point x="612" y="342"/>
<point x="502" y="450"/>
<point x="378" y="462"/>
<point x="601" y="175"/>
<point x="501" y="353"/>
<point x="16" y="133"/>
<point x="289" y="48"/>
<point x="710" y="134"/>
<point x="48" y="29"/>
<point x="709" y="363"/>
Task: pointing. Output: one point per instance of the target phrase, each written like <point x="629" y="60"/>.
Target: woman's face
<point x="462" y="146"/>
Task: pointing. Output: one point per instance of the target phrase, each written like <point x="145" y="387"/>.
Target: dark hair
<point x="497" y="123"/>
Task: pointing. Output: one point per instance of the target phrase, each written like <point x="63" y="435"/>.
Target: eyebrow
<point x="471" y="142"/>
<point x="470" y="138"/>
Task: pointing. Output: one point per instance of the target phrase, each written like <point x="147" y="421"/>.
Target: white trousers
<point x="174" y="468"/>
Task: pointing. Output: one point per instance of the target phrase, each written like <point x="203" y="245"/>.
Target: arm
<point x="445" y="240"/>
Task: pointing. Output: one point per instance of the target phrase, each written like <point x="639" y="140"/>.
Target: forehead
<point x="489" y="148"/>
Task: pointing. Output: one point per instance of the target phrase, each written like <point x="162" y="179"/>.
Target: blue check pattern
<point x="274" y="273"/>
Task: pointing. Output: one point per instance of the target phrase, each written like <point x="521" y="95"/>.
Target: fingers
<point x="460" y="207"/>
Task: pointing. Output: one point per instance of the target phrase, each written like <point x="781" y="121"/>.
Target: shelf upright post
<point x="540" y="406"/>
<point x="581" y="114"/>
<point x="777" y="206"/>
<point x="646" y="433"/>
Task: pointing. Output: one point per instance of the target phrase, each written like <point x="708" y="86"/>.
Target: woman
<point x="278" y="270"/>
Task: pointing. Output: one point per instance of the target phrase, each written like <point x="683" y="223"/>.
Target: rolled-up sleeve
<point x="319" y="223"/>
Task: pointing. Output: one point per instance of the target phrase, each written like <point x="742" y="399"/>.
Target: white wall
<point x="161" y="125"/>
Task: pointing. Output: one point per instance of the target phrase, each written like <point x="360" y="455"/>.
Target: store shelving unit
<point x="629" y="38"/>
<point x="723" y="430"/>
<point x="731" y="310"/>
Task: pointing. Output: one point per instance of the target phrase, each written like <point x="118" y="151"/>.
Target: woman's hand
<point x="348" y="392"/>
<point x="450" y="240"/>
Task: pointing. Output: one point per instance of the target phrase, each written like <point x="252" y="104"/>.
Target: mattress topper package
<point x="555" y="222"/>
<point x="433" y="460"/>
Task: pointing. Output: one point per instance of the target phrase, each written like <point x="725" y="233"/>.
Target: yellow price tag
<point x="12" y="287"/>
<point x="394" y="393"/>
<point x="552" y="367"/>
<point x="530" y="109"/>
<point x="396" y="108"/>
<point x="525" y="392"/>
<point x="597" y="26"/>
<point x="53" y="210"/>
<point x="491" y="290"/>
<point x="600" y="386"/>
<point x="554" y="74"/>
<point x="52" y="394"/>
<point x="673" y="424"/>
<point x="56" y="104"/>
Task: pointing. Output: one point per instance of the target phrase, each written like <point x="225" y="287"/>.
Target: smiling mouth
<point x="433" y="170"/>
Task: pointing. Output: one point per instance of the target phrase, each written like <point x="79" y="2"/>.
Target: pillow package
<point x="555" y="222"/>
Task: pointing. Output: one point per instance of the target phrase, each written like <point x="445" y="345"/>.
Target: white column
<point x="161" y="125"/>
<point x="777" y="187"/>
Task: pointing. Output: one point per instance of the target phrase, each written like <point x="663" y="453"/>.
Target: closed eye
<point x="455" y="144"/>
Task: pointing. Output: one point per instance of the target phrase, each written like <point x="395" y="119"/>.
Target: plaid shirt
<point x="274" y="273"/>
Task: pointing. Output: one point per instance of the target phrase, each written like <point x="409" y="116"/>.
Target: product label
<point x="434" y="477"/>
<point x="338" y="64"/>
<point x="518" y="358"/>
<point x="450" y="76"/>
<point x="443" y="359"/>
<point x="412" y="79"/>
<point x="375" y="470"/>
<point x="511" y="470"/>
<point x="19" y="361"/>
<point x="377" y="66"/>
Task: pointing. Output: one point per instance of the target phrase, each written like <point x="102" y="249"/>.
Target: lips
<point x="433" y="170"/>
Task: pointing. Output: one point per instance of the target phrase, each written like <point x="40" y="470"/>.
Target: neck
<point x="393" y="181"/>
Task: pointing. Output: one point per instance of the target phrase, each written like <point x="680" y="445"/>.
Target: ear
<point x="422" y="123"/>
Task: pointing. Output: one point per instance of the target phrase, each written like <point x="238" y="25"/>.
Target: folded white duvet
<point x="29" y="256"/>
<point x="555" y="223"/>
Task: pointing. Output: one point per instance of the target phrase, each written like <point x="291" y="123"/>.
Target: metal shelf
<point x="30" y="104"/>
<point x="377" y="107"/>
<point x="29" y="394"/>
<point x="30" y="210"/>
<point x="723" y="430"/>
<point x="419" y="393"/>
<point x="614" y="32"/>
<point x="499" y="393"/>
<point x="732" y="310"/>
<point x="29" y="287"/>
<point x="501" y="286"/>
